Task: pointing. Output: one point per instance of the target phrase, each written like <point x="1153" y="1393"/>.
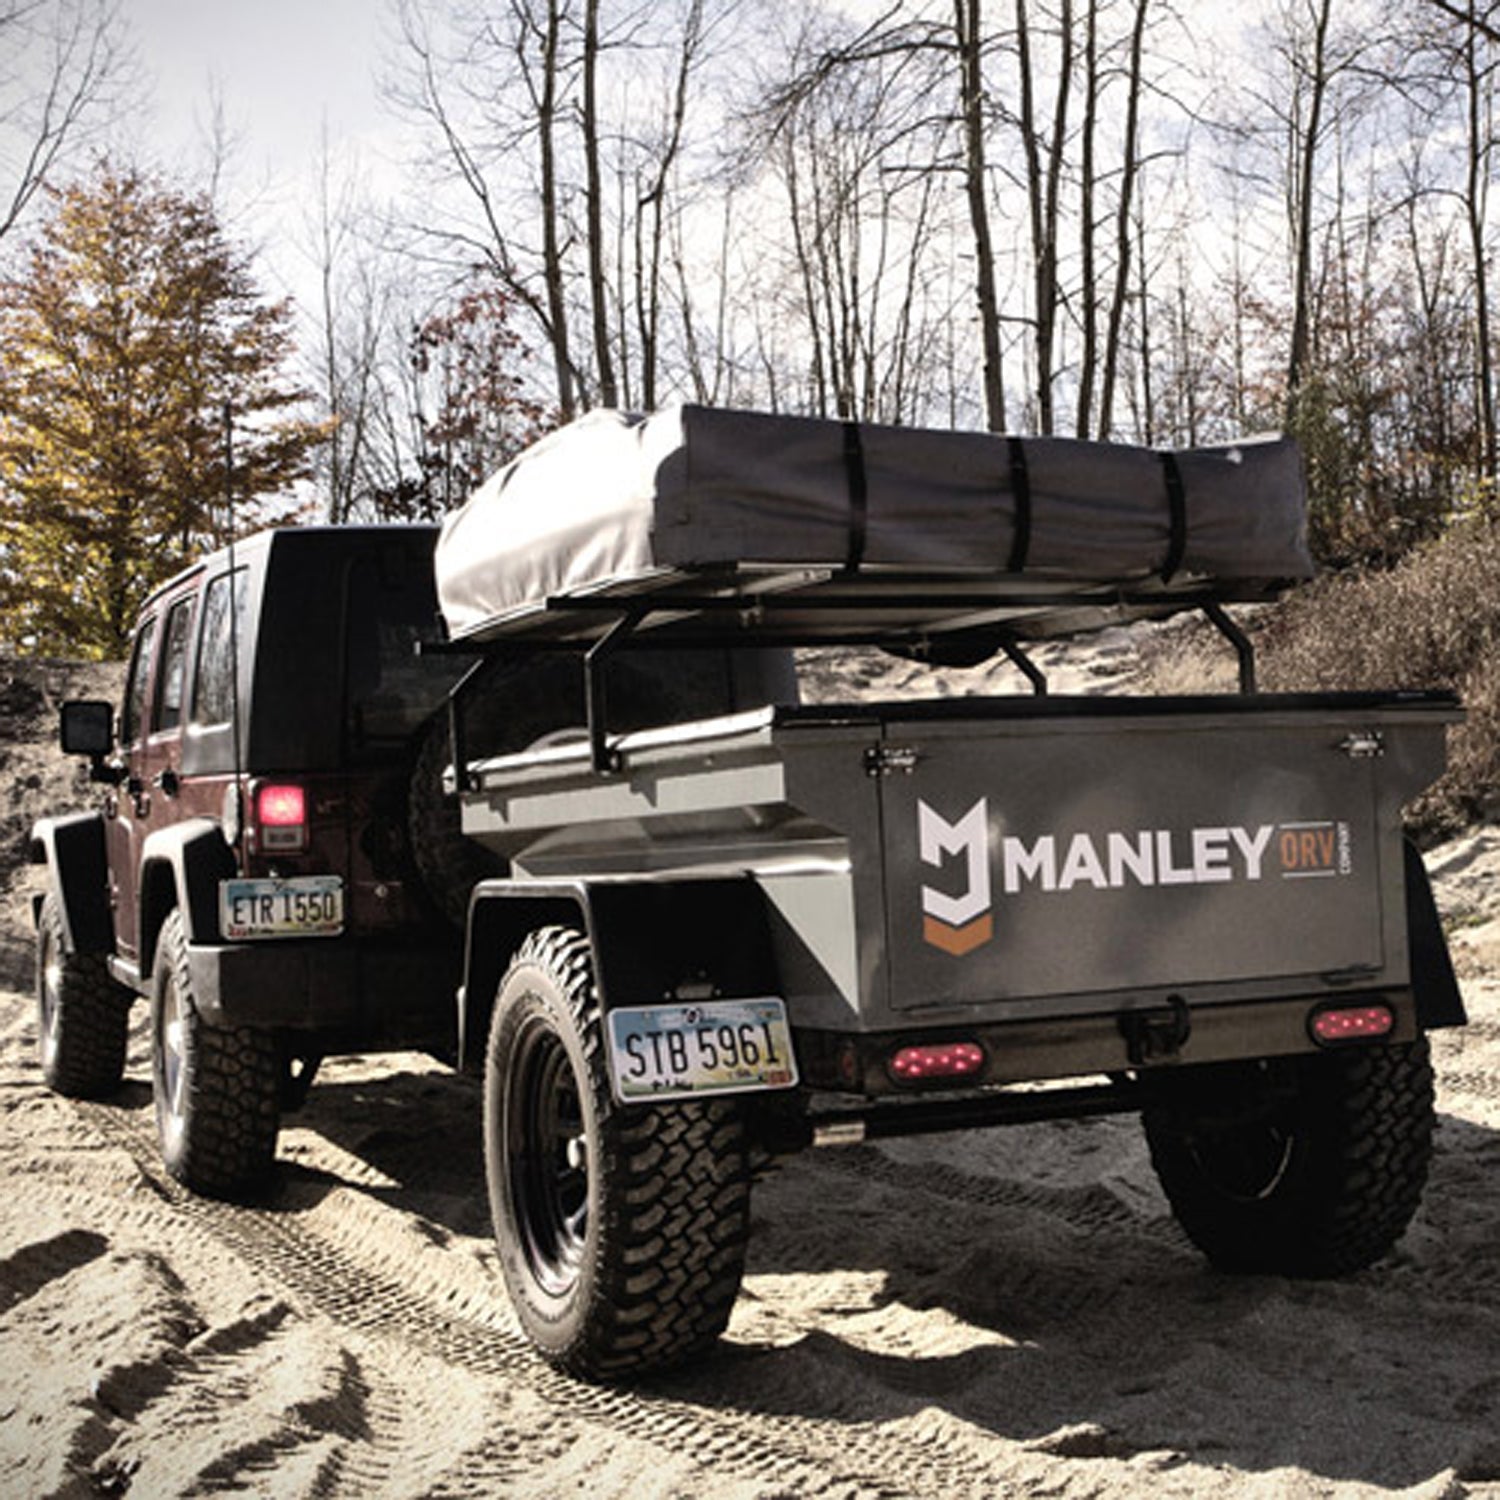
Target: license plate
<point x="707" y="1047"/>
<point x="299" y="906"/>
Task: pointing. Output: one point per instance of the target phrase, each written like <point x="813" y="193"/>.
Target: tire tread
<point x="1362" y="1146"/>
<point x="91" y="1023"/>
<point x="230" y="1113"/>
<point x="671" y="1251"/>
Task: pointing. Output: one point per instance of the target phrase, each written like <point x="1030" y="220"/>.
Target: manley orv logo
<point x="959" y="921"/>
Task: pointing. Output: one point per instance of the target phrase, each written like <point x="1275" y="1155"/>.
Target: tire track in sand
<point x="808" y="1456"/>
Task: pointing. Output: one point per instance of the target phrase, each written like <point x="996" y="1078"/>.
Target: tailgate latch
<point x="891" y="760"/>
<point x="1365" y="744"/>
<point x="1156" y="1035"/>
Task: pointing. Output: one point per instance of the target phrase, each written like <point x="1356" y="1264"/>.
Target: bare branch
<point x="69" y="57"/>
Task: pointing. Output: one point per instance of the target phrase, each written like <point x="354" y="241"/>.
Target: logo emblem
<point x="957" y="924"/>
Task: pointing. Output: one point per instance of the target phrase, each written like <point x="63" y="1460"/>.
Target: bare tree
<point x="850" y="140"/>
<point x="1088" y="359"/>
<point x="969" y="34"/>
<point x="1125" y="205"/>
<point x="485" y="134"/>
<point x="1308" y="55"/>
<point x="353" y="347"/>
<point x="652" y="210"/>
<point x="1479" y="60"/>
<point x="1043" y="155"/>
<point x="63" y="63"/>
<point x="609" y="393"/>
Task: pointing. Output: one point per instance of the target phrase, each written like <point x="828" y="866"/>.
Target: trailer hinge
<point x="889" y="760"/>
<point x="1365" y="744"/>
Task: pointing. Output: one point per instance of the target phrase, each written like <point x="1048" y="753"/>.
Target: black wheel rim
<point x="169" y="1065"/>
<point x="548" y="1153"/>
<point x="1247" y="1163"/>
<point x="48" y="991"/>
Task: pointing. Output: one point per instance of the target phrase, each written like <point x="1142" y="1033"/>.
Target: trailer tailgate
<point x="1197" y="852"/>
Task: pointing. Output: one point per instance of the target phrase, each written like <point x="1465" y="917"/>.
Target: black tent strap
<point x="1020" y="486"/>
<point x="859" y="495"/>
<point x="1020" y="490"/>
<point x="1177" y="507"/>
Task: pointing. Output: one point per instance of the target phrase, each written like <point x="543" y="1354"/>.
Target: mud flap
<point x="1433" y="982"/>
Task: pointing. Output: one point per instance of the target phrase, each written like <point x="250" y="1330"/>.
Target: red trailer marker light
<point x="936" y="1060"/>
<point x="1352" y="1023"/>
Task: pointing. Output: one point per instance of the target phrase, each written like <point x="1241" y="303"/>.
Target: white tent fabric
<point x="616" y="499"/>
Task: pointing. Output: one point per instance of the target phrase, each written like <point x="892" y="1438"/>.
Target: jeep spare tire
<point x="514" y="703"/>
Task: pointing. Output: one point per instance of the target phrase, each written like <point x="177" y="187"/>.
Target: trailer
<point x="781" y="925"/>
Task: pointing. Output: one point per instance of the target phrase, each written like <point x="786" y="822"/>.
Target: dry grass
<point x="1432" y="621"/>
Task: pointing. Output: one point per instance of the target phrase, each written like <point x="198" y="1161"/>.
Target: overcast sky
<point x="281" y="68"/>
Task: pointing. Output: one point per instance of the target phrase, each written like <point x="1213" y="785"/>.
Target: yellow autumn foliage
<point x="127" y="327"/>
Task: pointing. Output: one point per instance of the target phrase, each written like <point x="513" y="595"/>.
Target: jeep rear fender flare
<point x="72" y="848"/>
<point x="181" y="867"/>
<point x="647" y="936"/>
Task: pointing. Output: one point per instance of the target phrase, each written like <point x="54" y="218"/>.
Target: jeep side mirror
<point x="88" y="728"/>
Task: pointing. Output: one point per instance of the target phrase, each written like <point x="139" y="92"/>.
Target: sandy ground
<point x="984" y="1314"/>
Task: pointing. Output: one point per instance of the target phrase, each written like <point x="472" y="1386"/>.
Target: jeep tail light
<point x="1352" y="1023"/>
<point x="281" y="817"/>
<point x="936" y="1060"/>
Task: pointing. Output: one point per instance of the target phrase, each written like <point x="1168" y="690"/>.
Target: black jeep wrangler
<point x="252" y="870"/>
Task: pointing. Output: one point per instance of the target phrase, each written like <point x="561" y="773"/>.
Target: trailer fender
<point x="650" y="938"/>
<point x="181" y="867"/>
<point x="72" y="848"/>
<point x="1433" y="982"/>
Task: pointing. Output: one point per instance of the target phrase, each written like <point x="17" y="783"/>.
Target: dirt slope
<point x="972" y="1315"/>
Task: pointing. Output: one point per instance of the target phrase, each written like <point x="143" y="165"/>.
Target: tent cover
<point x="741" y="518"/>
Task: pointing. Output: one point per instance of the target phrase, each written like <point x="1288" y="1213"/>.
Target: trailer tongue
<point x="781" y="924"/>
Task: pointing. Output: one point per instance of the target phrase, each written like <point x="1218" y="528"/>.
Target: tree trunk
<point x="1088" y="358"/>
<point x="552" y="260"/>
<point x="1307" y="161"/>
<point x="1476" y="194"/>
<point x="1123" y="236"/>
<point x="1042" y="186"/>
<point x="969" y="31"/>
<point x="609" y="394"/>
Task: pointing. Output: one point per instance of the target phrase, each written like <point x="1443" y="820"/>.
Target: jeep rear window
<point x="391" y="690"/>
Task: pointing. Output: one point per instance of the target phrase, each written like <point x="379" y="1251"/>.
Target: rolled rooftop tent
<point x="812" y="522"/>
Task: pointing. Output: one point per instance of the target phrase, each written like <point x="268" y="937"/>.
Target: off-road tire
<point x="216" y="1088"/>
<point x="621" y="1231"/>
<point x="83" y="1016"/>
<point x="1308" y="1166"/>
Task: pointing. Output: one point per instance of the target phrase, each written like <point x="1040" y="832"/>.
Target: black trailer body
<point x="991" y="864"/>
